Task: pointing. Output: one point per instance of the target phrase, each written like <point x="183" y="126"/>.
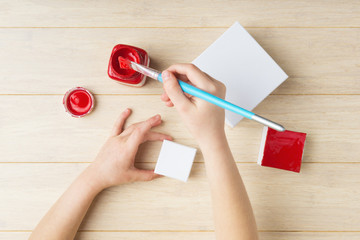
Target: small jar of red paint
<point x="127" y="76"/>
<point x="78" y="102"/>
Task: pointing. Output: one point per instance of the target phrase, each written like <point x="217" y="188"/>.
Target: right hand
<point x="204" y="120"/>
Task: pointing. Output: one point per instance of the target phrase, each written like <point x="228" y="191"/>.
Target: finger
<point x="156" y="136"/>
<point x="140" y="130"/>
<point x="145" y="175"/>
<point x="182" y="77"/>
<point x="169" y="104"/>
<point x="221" y="87"/>
<point x="193" y="73"/>
<point x="174" y="91"/>
<point x="165" y="97"/>
<point x="119" y="124"/>
<point x="154" y="120"/>
<point x="188" y="95"/>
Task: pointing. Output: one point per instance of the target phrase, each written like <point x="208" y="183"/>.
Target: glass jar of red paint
<point x="78" y="102"/>
<point x="127" y="76"/>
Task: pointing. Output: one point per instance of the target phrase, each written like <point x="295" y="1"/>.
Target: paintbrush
<point x="190" y="89"/>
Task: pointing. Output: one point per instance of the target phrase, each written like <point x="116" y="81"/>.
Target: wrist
<point x="92" y="181"/>
<point x="214" y="142"/>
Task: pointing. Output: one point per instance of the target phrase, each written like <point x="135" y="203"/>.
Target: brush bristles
<point x="124" y="63"/>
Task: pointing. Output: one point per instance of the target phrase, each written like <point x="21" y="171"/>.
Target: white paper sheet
<point x="175" y="160"/>
<point x="248" y="72"/>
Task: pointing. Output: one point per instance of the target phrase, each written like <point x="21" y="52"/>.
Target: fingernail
<point x="165" y="75"/>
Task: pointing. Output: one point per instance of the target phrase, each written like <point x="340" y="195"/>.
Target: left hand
<point x="114" y="164"/>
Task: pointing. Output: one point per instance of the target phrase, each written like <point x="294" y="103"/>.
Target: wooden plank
<point x="112" y="13"/>
<point x="324" y="197"/>
<point x="50" y="61"/>
<point x="193" y="235"/>
<point x="36" y="128"/>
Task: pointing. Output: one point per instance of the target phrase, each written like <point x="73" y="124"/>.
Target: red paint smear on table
<point x="79" y="102"/>
<point x="283" y="150"/>
<point x="126" y="75"/>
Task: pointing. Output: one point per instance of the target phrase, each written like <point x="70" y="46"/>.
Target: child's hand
<point x="114" y="164"/>
<point x="204" y="120"/>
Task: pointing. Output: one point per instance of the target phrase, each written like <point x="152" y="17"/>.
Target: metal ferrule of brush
<point x="149" y="72"/>
<point x="268" y="123"/>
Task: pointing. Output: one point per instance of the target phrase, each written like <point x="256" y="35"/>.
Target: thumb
<point x="173" y="90"/>
<point x="145" y="175"/>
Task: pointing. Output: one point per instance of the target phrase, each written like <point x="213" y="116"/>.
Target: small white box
<point x="175" y="160"/>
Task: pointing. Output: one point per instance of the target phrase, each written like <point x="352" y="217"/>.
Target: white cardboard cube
<point x="175" y="160"/>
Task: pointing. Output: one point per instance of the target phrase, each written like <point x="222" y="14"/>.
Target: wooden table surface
<point x="48" y="47"/>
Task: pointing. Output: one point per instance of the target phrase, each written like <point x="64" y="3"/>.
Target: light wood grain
<point x="50" y="61"/>
<point x="48" y="47"/>
<point x="193" y="235"/>
<point x="320" y="198"/>
<point x="37" y="129"/>
<point x="112" y="13"/>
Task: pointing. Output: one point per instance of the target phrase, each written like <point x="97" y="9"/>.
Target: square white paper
<point x="247" y="71"/>
<point x="175" y="160"/>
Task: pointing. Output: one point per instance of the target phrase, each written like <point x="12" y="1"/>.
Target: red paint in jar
<point x="78" y="102"/>
<point x="127" y="76"/>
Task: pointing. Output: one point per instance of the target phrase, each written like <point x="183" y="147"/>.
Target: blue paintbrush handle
<point x="152" y="73"/>
<point x="190" y="89"/>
